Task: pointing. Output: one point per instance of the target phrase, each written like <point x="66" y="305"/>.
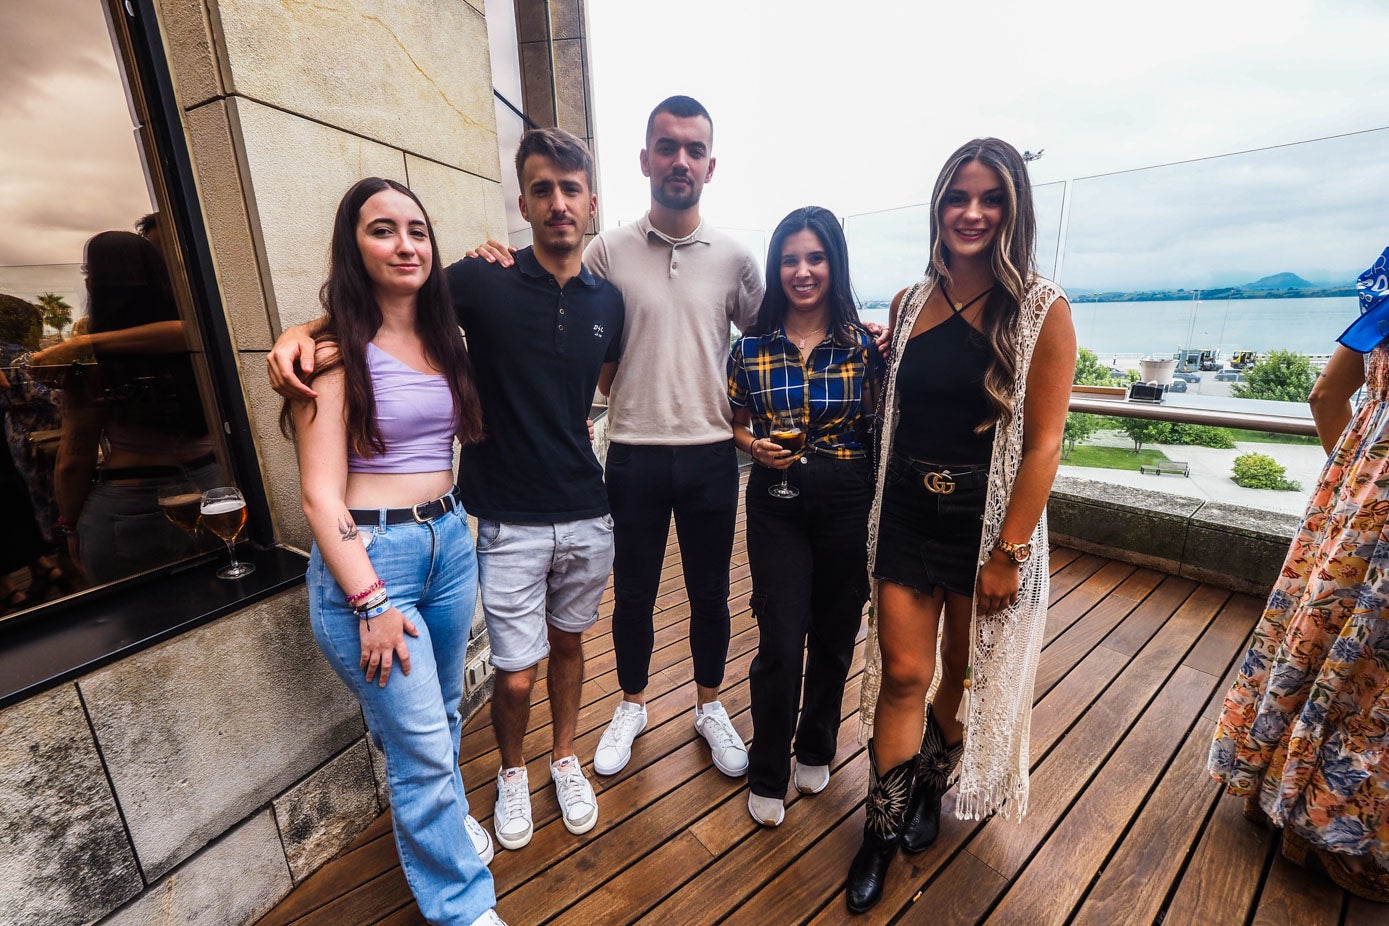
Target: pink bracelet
<point x="366" y="592"/>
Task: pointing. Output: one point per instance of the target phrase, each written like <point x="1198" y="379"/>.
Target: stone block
<point x="571" y="82"/>
<point x="378" y="771"/>
<point x="235" y="880"/>
<point x="201" y="730"/>
<point x="319" y="816"/>
<point x="1238" y="548"/>
<point x="537" y="82"/>
<point x="297" y="172"/>
<point x="222" y="197"/>
<point x="411" y="75"/>
<point x="465" y="210"/>
<point x="192" y="51"/>
<point x="279" y="463"/>
<point x="1150" y="527"/>
<point x="64" y="856"/>
<point x="565" y="20"/>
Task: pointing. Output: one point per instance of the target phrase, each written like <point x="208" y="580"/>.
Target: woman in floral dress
<point x="1305" y="729"/>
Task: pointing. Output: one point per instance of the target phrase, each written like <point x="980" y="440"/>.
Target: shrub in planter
<point x="1260" y="471"/>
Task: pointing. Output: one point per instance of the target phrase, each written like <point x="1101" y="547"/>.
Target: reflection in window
<point x="107" y="445"/>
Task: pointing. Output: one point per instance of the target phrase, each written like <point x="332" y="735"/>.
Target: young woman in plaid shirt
<point x="808" y="356"/>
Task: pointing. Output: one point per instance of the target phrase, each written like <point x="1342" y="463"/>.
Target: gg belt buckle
<point x="940" y="483"/>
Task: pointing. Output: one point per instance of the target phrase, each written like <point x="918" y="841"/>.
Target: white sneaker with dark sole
<point x="512" y="816"/>
<point x="482" y="843"/>
<point x="615" y="748"/>
<point x="725" y="745"/>
<point x="578" y="807"/>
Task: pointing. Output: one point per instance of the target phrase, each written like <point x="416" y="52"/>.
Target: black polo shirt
<point x="537" y="350"/>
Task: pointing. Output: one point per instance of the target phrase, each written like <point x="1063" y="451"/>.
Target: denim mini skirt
<point x="931" y="522"/>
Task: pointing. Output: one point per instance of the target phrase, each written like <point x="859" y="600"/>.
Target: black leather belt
<point x="113" y="474"/>
<point x="942" y="478"/>
<point x="424" y="511"/>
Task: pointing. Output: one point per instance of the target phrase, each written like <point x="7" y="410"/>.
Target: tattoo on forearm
<point x="348" y="529"/>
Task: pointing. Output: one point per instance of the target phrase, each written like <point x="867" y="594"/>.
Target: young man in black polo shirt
<point x="538" y="338"/>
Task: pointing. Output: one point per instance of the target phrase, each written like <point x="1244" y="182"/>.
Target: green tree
<point x="57" y="314"/>
<point x="21" y="322"/>
<point x="1089" y="372"/>
<point x="1282" y="375"/>
<point x="1079" y="428"/>
<point x="1144" y="431"/>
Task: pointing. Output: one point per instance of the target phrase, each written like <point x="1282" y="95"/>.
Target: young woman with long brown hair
<point x="393" y="573"/>
<point x="983" y="354"/>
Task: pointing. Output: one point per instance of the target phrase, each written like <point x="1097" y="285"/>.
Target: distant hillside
<point x="1280" y="281"/>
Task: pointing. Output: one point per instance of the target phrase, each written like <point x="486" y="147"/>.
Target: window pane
<point x="103" y="411"/>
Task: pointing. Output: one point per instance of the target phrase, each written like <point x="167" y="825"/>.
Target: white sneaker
<point x="512" y="816"/>
<point x="489" y="918"/>
<point x="482" y="843"/>
<point x="811" y="779"/>
<point x="615" y="748"/>
<point x="730" y="755"/>
<point x="576" y="801"/>
<point x="766" y="810"/>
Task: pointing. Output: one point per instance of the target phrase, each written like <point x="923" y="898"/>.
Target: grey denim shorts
<point x="537" y="576"/>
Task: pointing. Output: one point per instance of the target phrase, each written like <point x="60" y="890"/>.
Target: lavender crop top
<point x="414" y="411"/>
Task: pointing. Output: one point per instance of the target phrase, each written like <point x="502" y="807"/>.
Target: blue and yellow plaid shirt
<point x="826" y="393"/>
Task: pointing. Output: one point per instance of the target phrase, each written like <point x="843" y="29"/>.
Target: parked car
<point x="1229" y="376"/>
<point x="1187" y="377"/>
<point x="1177" y="385"/>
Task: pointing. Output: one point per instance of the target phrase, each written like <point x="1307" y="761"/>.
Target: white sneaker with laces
<point x="576" y="801"/>
<point x="482" y="843"/>
<point x="512" y="816"/>
<point x="490" y="918"/>
<point x="615" y="748"/>
<point x="766" y="810"/>
<point x="811" y="779"/>
<point x="726" y="746"/>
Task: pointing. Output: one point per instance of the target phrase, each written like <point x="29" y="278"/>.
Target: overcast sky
<point x="854" y="106"/>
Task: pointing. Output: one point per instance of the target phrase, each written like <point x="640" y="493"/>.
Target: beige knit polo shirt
<point x="682" y="297"/>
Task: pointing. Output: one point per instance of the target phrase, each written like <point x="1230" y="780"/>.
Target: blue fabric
<point x="1373" y="324"/>
<point x="430" y="571"/>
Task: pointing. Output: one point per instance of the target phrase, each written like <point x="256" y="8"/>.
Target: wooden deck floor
<point x="1124" y="825"/>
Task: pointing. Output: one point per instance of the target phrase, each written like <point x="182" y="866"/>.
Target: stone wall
<point x="1238" y="548"/>
<point x="201" y="779"/>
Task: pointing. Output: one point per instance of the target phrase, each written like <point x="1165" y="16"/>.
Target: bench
<point x="1166" y="466"/>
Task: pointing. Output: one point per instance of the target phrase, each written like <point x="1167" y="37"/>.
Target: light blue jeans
<point x="430" y="571"/>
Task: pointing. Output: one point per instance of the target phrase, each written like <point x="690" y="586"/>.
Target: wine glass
<point x="224" y="513"/>
<point x="787" y="432"/>
<point x="181" y="502"/>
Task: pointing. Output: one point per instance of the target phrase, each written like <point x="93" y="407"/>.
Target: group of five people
<point x="946" y="533"/>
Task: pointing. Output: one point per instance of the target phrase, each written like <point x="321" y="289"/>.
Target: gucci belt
<point x="941" y="483"/>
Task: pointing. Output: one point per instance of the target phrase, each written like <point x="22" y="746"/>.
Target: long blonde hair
<point x="1011" y="261"/>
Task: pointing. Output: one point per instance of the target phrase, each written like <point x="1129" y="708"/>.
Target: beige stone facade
<point x="202" y="778"/>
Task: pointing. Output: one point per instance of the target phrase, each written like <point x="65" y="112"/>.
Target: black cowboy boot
<point x="935" y="762"/>
<point x="889" y="795"/>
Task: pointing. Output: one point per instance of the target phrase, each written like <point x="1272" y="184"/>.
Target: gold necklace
<point x="801" y="337"/>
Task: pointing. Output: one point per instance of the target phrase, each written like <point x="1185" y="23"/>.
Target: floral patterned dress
<point x="1307" y="721"/>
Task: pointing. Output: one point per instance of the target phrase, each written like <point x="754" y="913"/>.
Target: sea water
<point x="1307" y="326"/>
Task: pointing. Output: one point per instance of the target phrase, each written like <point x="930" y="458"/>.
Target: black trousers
<point x="809" y="564"/>
<point x="646" y="485"/>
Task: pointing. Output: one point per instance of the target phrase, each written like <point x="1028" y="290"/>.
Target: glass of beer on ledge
<point x="224" y="513"/>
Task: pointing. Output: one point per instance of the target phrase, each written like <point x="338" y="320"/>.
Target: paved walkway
<point x="1211" y="472"/>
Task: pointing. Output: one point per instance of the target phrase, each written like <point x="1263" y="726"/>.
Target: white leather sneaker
<point x="615" y="748"/>
<point x="512" y="816"/>
<point x="726" y="746"/>
<point x="577" y="804"/>
<point x="482" y="843"/>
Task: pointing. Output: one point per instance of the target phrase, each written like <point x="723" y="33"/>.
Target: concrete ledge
<point x="1229" y="546"/>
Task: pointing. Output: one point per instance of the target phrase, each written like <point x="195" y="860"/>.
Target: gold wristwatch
<point x="1019" y="553"/>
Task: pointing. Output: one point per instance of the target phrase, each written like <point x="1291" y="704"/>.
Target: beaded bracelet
<point x="376" y="586"/>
